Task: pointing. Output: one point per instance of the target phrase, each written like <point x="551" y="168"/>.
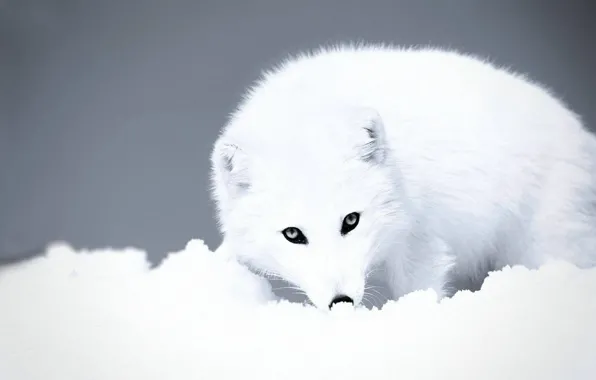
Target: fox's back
<point x="459" y="126"/>
<point x="476" y="144"/>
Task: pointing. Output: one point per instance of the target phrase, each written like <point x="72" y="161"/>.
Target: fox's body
<point x="455" y="167"/>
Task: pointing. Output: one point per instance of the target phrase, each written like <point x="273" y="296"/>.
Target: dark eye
<point x="350" y="222"/>
<point x="294" y="235"/>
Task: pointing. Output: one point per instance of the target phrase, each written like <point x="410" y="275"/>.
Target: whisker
<point x="372" y="302"/>
<point x="373" y="287"/>
<point x="365" y="300"/>
<point x="377" y="300"/>
<point x="289" y="288"/>
<point x="373" y="270"/>
<point x="386" y="298"/>
<point x="307" y="301"/>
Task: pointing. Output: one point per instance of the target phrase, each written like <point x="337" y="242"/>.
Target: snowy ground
<point x="106" y="315"/>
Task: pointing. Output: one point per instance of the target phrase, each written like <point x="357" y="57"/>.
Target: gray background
<point x="108" y="109"/>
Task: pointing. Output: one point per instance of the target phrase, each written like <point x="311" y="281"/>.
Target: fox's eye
<point x="294" y="235"/>
<point x="350" y="222"/>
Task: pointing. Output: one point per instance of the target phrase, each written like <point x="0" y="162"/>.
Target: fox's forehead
<point x="306" y="162"/>
<point x="313" y="193"/>
<point x="303" y="168"/>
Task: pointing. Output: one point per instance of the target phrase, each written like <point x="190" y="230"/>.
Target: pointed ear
<point x="230" y="164"/>
<point x="374" y="148"/>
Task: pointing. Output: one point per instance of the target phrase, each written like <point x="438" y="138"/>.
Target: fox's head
<point x="308" y="196"/>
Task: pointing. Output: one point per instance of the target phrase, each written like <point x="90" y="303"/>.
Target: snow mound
<point x="106" y="315"/>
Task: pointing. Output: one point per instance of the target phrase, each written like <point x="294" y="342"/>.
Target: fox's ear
<point x="374" y="148"/>
<point x="230" y="165"/>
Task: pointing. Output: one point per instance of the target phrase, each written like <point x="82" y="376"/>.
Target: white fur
<point x="470" y="168"/>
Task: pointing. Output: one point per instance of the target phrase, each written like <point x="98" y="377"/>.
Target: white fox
<point x="434" y="165"/>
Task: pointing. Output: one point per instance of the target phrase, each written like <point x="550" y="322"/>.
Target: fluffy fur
<point x="457" y="166"/>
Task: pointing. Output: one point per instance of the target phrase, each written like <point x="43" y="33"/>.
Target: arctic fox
<point x="434" y="165"/>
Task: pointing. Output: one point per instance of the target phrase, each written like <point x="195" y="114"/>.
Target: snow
<point x="105" y="314"/>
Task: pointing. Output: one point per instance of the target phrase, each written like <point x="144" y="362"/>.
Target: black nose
<point x="340" y="298"/>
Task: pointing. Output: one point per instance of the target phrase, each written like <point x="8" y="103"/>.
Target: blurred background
<point x="108" y="109"/>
